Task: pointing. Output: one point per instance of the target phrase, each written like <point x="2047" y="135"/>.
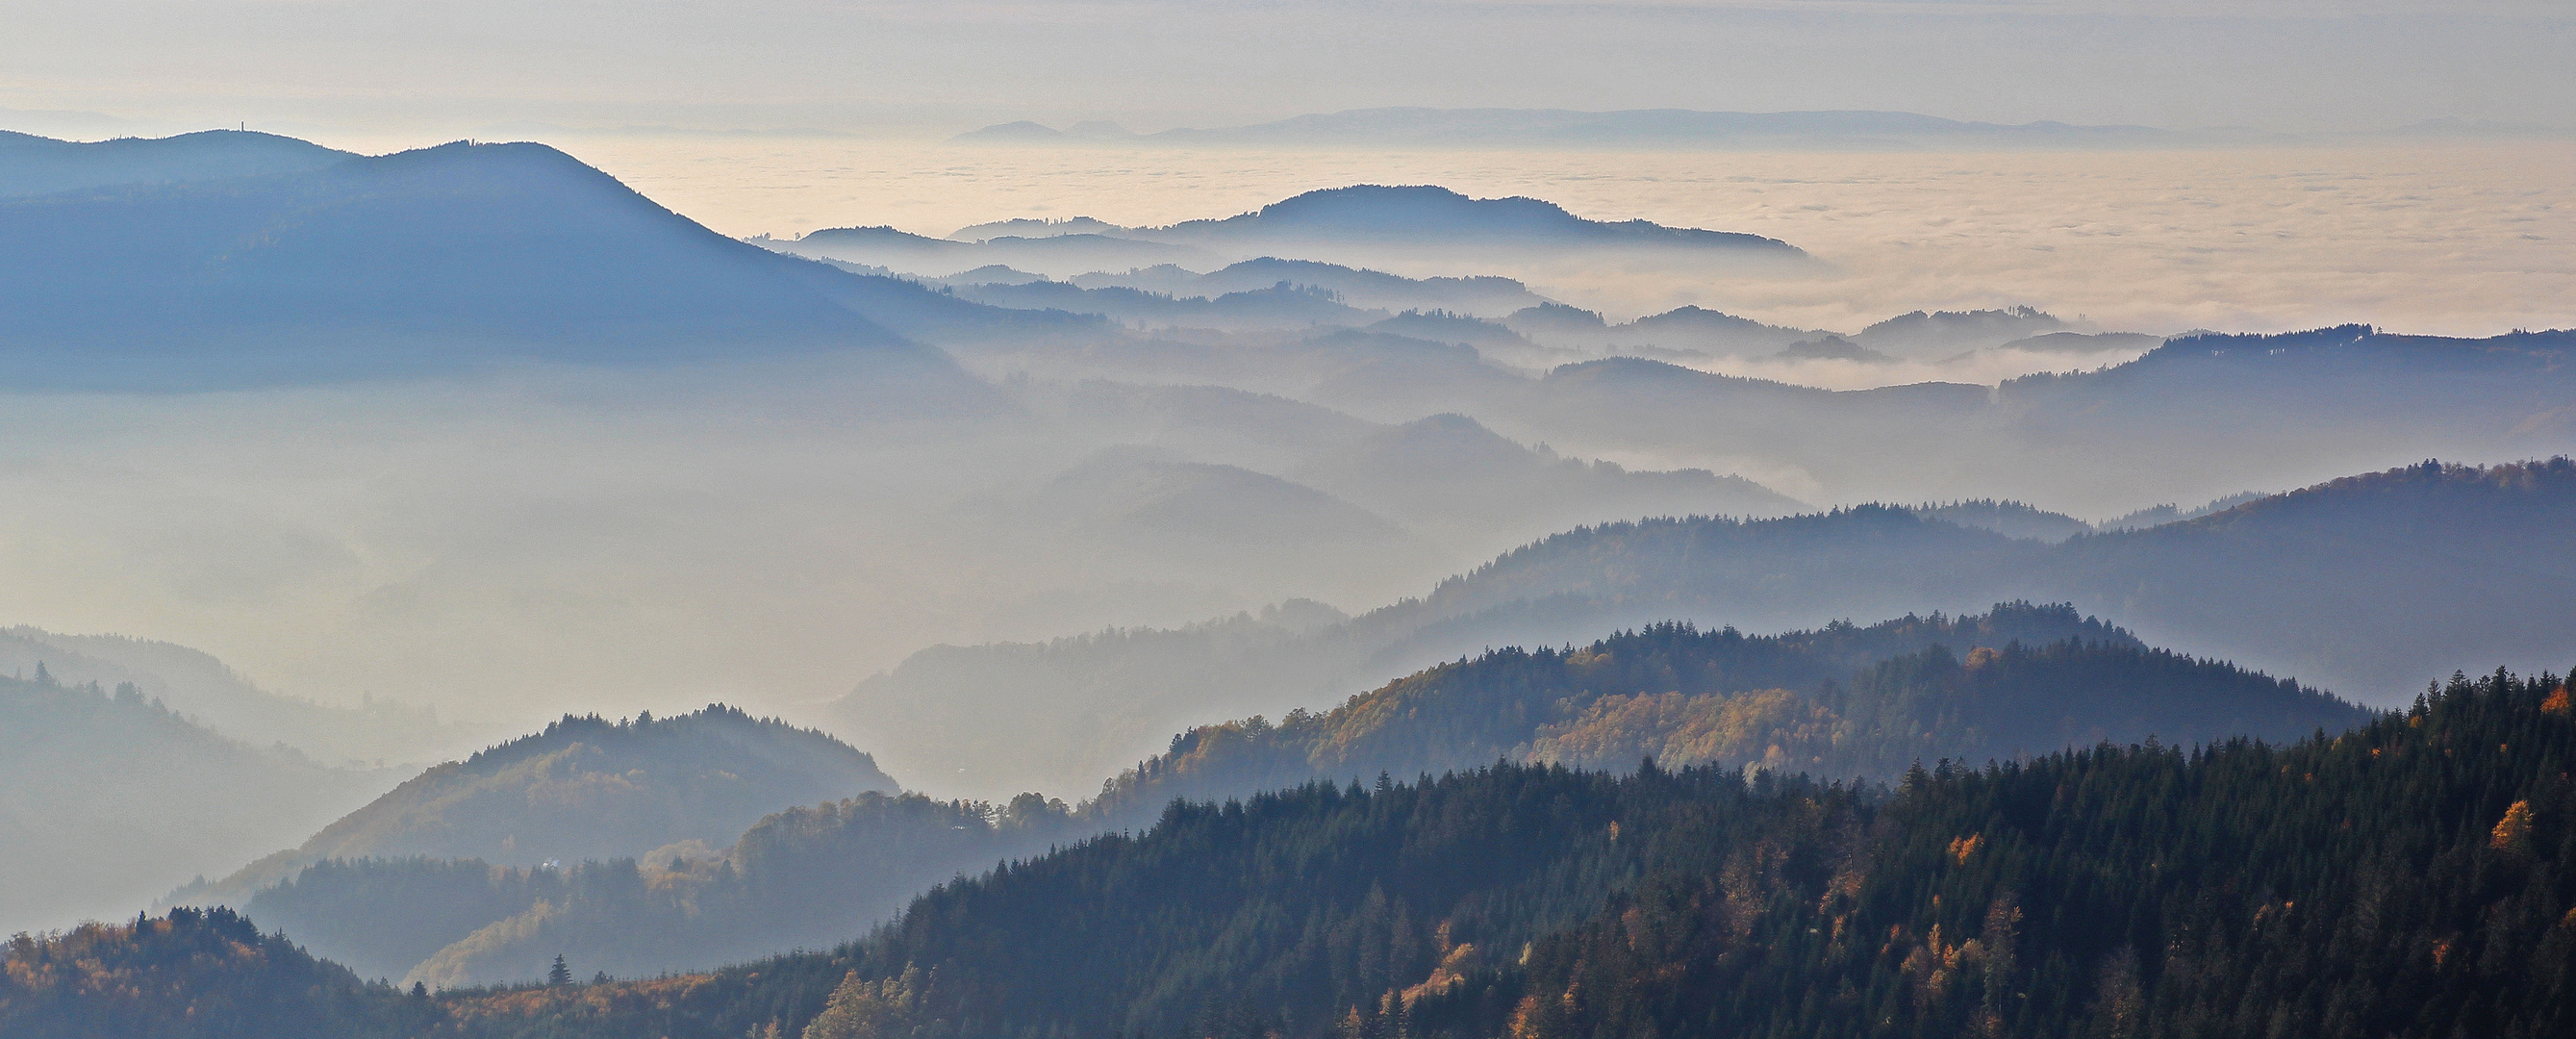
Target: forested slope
<point x="2406" y="878"/>
<point x="1843" y="701"/>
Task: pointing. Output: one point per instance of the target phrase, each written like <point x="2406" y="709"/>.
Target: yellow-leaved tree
<point x="890" y="1008"/>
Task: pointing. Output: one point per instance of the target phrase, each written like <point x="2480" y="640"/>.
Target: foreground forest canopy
<point x="2405" y="878"/>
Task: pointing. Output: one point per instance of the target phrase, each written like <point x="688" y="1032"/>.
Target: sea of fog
<point x="2447" y="236"/>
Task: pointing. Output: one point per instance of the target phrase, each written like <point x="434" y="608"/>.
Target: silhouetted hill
<point x="32" y="165"/>
<point x="1431" y="216"/>
<point x="421" y="261"/>
<point x="585" y="788"/>
<point x="113" y="799"/>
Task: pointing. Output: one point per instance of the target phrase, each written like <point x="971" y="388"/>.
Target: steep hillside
<point x="113" y="799"/>
<point x="586" y="788"/>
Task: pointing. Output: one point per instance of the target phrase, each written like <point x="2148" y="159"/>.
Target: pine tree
<point x="559" y="974"/>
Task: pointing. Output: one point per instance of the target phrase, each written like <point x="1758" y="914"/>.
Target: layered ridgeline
<point x="1846" y="701"/>
<point x="2193" y="418"/>
<point x="2407" y="878"/>
<point x="584" y="789"/>
<point x="421" y="262"/>
<point x="376" y="733"/>
<point x="113" y="798"/>
<point x="2352" y="585"/>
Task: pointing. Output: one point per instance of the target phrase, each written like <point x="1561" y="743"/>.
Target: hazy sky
<point x="859" y="64"/>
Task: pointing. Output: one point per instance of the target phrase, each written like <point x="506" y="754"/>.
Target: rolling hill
<point x="585" y="788"/>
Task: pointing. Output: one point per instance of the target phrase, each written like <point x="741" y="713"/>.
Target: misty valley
<point x="456" y="595"/>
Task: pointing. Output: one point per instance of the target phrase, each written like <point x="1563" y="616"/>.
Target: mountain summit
<point x="420" y="261"/>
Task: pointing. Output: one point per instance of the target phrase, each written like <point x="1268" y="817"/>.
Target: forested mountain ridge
<point x="2406" y="878"/>
<point x="32" y="165"/>
<point x="586" y="788"/>
<point x="1843" y="701"/>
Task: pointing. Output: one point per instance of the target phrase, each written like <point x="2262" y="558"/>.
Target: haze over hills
<point x="113" y="799"/>
<point x="196" y="685"/>
<point x="2345" y="585"/>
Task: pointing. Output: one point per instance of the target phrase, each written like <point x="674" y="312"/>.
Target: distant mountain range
<point x="1357" y="223"/>
<point x="1634" y="128"/>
